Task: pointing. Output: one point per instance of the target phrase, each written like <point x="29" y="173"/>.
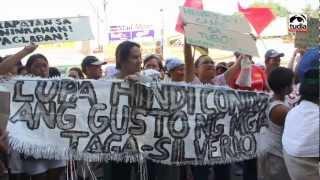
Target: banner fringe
<point x="54" y="153"/>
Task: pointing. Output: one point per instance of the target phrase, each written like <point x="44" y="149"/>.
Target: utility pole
<point x="162" y="32"/>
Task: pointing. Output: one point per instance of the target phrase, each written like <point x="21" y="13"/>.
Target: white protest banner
<point x="212" y="30"/>
<point x="18" y="33"/>
<point x="311" y="38"/>
<point x="114" y="120"/>
<point x="219" y="21"/>
<point x="211" y="37"/>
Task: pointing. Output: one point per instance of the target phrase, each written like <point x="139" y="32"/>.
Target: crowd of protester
<point x="292" y="138"/>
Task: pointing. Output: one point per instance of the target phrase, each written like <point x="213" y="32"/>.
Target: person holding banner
<point x="27" y="167"/>
<point x="37" y="65"/>
<point x="175" y="69"/>
<point x="75" y="73"/>
<point x="154" y="62"/>
<point x="203" y="72"/>
<point x="128" y="64"/>
<point x="11" y="63"/>
<point x="91" y="67"/>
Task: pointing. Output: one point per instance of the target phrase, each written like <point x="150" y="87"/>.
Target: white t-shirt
<point x="301" y="131"/>
<point x="219" y="80"/>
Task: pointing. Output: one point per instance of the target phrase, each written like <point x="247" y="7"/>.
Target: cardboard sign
<point x="211" y="37"/>
<point x="219" y="21"/>
<point x="212" y="30"/>
<point x="18" y="33"/>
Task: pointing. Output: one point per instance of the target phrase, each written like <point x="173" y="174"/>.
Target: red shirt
<point x="258" y="80"/>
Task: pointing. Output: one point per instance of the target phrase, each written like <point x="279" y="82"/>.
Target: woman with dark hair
<point x="11" y="63"/>
<point x="128" y="59"/>
<point x="301" y="131"/>
<point x="154" y="62"/>
<point x="271" y="165"/>
<point x="75" y="73"/>
<point x="128" y="64"/>
<point x="37" y="65"/>
<point x="54" y="72"/>
<point x="203" y="72"/>
<point x="25" y="166"/>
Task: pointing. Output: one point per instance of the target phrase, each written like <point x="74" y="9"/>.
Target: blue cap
<point x="172" y="63"/>
<point x="310" y="60"/>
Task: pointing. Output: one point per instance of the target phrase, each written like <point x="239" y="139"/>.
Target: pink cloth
<point x="196" y="4"/>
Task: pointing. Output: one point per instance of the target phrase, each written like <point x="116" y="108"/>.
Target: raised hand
<point x="30" y="48"/>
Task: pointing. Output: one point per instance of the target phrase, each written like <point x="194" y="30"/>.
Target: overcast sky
<point x="118" y="9"/>
<point x="121" y="12"/>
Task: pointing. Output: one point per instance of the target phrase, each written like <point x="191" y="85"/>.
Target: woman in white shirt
<point x="271" y="165"/>
<point x="26" y="167"/>
<point x="301" y="132"/>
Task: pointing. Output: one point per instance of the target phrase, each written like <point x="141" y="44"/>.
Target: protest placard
<point x="211" y="37"/>
<point x="219" y="21"/>
<point x="311" y="38"/>
<point x="18" y="33"/>
<point x="213" y="30"/>
<point x="114" y="120"/>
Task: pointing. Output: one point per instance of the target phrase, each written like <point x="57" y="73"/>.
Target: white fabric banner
<point x="18" y="33"/>
<point x="101" y="120"/>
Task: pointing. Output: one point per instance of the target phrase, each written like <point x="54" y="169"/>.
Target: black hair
<point x="309" y="88"/>
<point x="280" y="78"/>
<point x="32" y="59"/>
<point x="54" y="72"/>
<point x="153" y="56"/>
<point x="196" y="64"/>
<point x="78" y="70"/>
<point x="123" y="51"/>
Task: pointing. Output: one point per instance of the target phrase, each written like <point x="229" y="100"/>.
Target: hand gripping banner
<point x="102" y="120"/>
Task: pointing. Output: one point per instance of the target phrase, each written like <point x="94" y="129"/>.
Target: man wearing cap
<point x="91" y="67"/>
<point x="272" y="59"/>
